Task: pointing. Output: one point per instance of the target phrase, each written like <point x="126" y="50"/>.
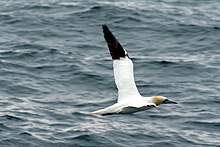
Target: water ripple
<point x="55" y="67"/>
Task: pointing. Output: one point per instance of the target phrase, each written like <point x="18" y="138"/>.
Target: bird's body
<point x="129" y="99"/>
<point x="133" y="105"/>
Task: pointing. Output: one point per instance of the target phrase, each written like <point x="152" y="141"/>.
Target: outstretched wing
<point x="123" y="68"/>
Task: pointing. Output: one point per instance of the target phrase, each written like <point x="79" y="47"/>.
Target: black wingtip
<point x="106" y="29"/>
<point x="104" y="26"/>
<point x="115" y="48"/>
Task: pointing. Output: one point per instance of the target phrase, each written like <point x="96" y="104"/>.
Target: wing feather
<point x="124" y="79"/>
<point x="115" y="48"/>
<point x="123" y="68"/>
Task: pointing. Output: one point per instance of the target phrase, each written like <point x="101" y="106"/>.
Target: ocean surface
<point x="55" y="65"/>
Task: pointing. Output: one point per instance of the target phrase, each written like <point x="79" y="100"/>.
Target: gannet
<point x="129" y="99"/>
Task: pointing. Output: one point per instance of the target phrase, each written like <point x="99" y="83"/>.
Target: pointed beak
<point x="167" y="101"/>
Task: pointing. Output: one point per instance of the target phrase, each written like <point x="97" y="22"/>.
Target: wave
<point x="205" y="124"/>
<point x="11" y="118"/>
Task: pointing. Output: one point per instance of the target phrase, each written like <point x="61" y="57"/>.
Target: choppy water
<point x="54" y="64"/>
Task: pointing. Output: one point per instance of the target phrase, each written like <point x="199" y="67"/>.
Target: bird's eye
<point x="166" y="100"/>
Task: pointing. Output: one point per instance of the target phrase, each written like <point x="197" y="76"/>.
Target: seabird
<point x="129" y="99"/>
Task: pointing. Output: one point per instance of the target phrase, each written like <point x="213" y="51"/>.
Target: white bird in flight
<point x="129" y="99"/>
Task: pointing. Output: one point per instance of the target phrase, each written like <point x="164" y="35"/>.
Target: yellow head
<point x="162" y="100"/>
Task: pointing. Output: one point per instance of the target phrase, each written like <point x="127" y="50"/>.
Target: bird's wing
<point x="123" y="68"/>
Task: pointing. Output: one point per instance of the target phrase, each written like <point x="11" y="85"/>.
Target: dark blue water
<point x="54" y="65"/>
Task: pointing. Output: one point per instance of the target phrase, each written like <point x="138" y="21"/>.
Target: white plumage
<point x="124" y="79"/>
<point x="129" y="99"/>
